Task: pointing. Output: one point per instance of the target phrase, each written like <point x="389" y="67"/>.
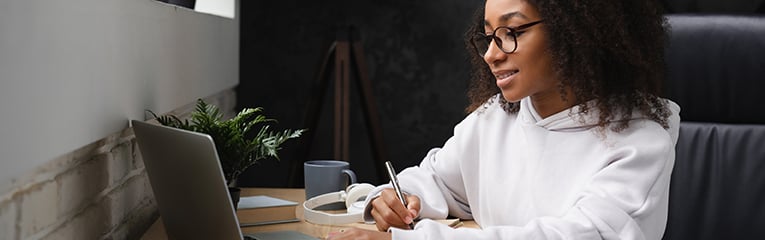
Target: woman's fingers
<point x="413" y="205"/>
<point x="392" y="210"/>
<point x="388" y="211"/>
<point x="385" y="214"/>
<point x="381" y="224"/>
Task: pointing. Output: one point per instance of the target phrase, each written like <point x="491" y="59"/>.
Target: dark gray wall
<point x="417" y="64"/>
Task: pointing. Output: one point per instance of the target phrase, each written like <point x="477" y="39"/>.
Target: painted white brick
<point x="136" y="223"/>
<point x="38" y="208"/>
<point x="92" y="223"/>
<point x="81" y="186"/>
<point x="8" y="213"/>
<point x="137" y="157"/>
<point x="120" y="162"/>
<point x="128" y="197"/>
<point x="143" y="213"/>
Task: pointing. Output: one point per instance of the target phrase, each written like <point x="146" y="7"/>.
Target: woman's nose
<point x="493" y="53"/>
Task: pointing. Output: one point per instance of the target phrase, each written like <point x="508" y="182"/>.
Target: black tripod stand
<point x="345" y="56"/>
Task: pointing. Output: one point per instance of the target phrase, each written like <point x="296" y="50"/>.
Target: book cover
<point x="261" y="210"/>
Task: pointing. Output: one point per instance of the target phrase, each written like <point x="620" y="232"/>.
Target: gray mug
<point x="326" y="176"/>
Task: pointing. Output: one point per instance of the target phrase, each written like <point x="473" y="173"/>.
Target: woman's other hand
<point x="358" y="234"/>
<point x="388" y="211"/>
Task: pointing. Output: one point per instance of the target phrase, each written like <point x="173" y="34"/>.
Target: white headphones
<point x="353" y="196"/>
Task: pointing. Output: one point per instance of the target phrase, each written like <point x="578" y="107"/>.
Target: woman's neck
<point x="548" y="104"/>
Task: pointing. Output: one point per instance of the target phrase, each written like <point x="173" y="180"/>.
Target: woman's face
<point x="527" y="71"/>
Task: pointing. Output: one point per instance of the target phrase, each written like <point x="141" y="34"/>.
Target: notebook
<point x="188" y="184"/>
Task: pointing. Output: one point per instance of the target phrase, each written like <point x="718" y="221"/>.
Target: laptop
<point x="189" y="187"/>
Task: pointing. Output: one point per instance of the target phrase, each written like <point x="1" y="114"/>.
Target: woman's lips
<point x="504" y="77"/>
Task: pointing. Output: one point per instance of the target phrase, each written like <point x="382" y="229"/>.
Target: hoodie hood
<point x="573" y="119"/>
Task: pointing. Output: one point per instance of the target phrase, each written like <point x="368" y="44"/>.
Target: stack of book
<point x="261" y="210"/>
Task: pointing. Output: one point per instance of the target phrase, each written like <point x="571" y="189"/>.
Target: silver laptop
<point x="191" y="193"/>
<point x="188" y="183"/>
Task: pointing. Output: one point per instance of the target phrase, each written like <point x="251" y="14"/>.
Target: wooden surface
<point x="157" y="230"/>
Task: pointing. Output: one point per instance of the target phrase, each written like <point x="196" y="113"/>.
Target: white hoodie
<point x="522" y="177"/>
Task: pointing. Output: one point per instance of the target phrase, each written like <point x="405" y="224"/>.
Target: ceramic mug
<point x="326" y="176"/>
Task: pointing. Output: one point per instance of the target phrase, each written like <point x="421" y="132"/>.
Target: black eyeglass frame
<point x="480" y="36"/>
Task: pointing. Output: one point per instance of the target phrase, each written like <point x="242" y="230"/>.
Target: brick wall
<point x="99" y="191"/>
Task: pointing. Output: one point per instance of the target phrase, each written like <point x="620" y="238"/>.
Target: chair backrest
<point x="716" y="67"/>
<point x="716" y="73"/>
<point x="718" y="183"/>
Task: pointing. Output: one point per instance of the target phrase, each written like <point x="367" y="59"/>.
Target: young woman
<point x="567" y="137"/>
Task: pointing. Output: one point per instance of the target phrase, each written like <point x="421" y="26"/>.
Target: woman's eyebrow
<point x="507" y="16"/>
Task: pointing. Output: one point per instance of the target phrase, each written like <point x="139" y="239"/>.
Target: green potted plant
<point x="237" y="148"/>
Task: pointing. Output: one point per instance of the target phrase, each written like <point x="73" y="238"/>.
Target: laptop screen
<point x="187" y="181"/>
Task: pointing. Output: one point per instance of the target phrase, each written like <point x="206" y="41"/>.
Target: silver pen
<point x="396" y="187"/>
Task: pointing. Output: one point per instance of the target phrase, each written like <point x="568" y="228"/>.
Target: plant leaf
<point x="235" y="150"/>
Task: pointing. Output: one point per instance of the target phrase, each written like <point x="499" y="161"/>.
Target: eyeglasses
<point x="504" y="37"/>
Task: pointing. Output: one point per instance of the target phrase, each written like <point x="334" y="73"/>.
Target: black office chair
<point x="716" y="73"/>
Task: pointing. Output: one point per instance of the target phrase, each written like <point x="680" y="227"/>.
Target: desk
<point x="157" y="230"/>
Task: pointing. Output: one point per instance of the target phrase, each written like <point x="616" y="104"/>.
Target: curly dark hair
<point x="612" y="51"/>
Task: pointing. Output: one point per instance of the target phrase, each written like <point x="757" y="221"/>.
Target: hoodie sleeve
<point x="438" y="180"/>
<point x="438" y="197"/>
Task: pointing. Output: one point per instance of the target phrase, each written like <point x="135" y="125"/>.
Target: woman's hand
<point x="388" y="211"/>
<point x="358" y="234"/>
